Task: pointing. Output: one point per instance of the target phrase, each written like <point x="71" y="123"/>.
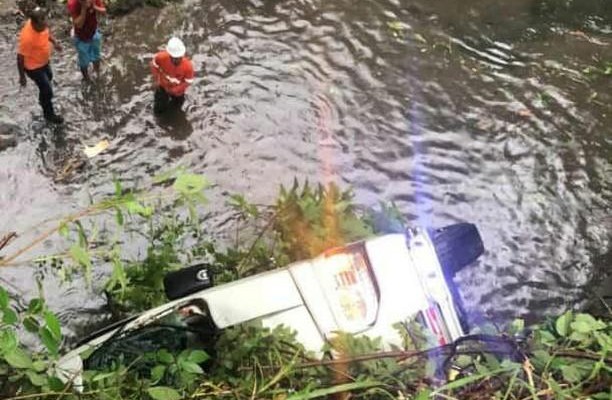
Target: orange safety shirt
<point x="174" y="79"/>
<point x="34" y="46"/>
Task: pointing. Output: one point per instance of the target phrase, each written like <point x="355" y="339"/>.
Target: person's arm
<point x="154" y="64"/>
<point x="189" y="75"/>
<point x="21" y="69"/>
<point x="99" y="6"/>
<point x="79" y="19"/>
<point x="155" y="70"/>
<point x="183" y="84"/>
<point x="55" y="43"/>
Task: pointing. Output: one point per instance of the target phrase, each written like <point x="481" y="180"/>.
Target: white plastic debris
<point x="92" y="151"/>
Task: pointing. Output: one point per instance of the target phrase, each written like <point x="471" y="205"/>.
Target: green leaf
<point x="39" y="366"/>
<point x="118" y="276"/>
<point x="481" y="368"/>
<point x="158" y="372"/>
<point x="586" y="323"/>
<point x="492" y="362"/>
<point x="118" y="188"/>
<point x="55" y="384"/>
<point x="134" y="207"/>
<point x="8" y="341"/>
<point x="48" y="339"/>
<point x="36" y="379"/>
<point x="104" y="375"/>
<point x="9" y="317"/>
<point x="18" y="359"/>
<point x="571" y="373"/>
<point x="82" y="236"/>
<point x="583" y="338"/>
<point x="190" y="184"/>
<point x="546" y="338"/>
<point x="508" y="365"/>
<point x="198" y="356"/>
<point x="517" y="325"/>
<point x="163" y="393"/>
<point x="81" y="256"/>
<point x="472" y="378"/>
<point x="4" y="299"/>
<point x="603" y="396"/>
<point x="119" y="216"/>
<point x="559" y="392"/>
<point x="164" y="356"/>
<point x="605" y="341"/>
<point x="238" y="202"/>
<point x="423" y="395"/>
<point x="35" y="306"/>
<point x="581" y="327"/>
<point x="562" y="324"/>
<point x="54" y="325"/>
<point x="463" y="361"/>
<point x="31" y="324"/>
<point x="542" y="357"/>
<point x="191" y="367"/>
<point x="63" y="229"/>
<point x="346" y="387"/>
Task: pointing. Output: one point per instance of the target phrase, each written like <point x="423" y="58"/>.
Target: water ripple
<point x="453" y="110"/>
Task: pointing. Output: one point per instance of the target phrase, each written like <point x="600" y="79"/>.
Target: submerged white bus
<point x="364" y="288"/>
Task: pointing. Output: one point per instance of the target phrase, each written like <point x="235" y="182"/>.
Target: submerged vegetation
<point x="567" y="357"/>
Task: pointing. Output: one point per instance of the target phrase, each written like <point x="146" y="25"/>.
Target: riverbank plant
<point x="139" y="235"/>
<point x="564" y="358"/>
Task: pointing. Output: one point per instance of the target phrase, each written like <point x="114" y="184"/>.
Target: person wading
<point x="87" y="38"/>
<point x="172" y="74"/>
<point x="33" y="60"/>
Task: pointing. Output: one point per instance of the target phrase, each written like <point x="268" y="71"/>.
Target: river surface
<point x="496" y="112"/>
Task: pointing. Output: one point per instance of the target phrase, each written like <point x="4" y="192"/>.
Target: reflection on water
<point x="175" y="123"/>
<point x="494" y="112"/>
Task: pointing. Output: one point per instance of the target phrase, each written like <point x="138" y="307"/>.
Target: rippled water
<point x="476" y="110"/>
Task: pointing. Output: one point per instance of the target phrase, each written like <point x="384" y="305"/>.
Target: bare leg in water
<point x="96" y="65"/>
<point x="85" y="72"/>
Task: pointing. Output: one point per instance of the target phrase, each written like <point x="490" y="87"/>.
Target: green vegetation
<point x="564" y="358"/>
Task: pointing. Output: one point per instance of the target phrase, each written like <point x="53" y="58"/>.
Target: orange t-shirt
<point x="174" y="79"/>
<point x="34" y="46"/>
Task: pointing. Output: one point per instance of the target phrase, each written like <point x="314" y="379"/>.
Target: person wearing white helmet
<point x="172" y="75"/>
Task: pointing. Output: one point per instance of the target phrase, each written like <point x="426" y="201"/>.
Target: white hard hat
<point x="175" y="47"/>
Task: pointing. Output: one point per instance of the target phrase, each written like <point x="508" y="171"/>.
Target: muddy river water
<point x="496" y="112"/>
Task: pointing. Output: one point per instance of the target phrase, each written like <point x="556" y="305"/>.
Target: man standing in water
<point x="172" y="74"/>
<point x="33" y="60"/>
<point x="86" y="35"/>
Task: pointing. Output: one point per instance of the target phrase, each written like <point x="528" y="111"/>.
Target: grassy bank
<point x="564" y="357"/>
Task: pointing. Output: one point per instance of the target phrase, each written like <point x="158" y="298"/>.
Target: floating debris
<point x="92" y="151"/>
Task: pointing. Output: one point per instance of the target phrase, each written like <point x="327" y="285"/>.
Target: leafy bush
<point x="565" y="358"/>
<point x="21" y="369"/>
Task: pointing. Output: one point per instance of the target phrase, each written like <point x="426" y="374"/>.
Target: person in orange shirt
<point x="33" y="60"/>
<point x="172" y="74"/>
